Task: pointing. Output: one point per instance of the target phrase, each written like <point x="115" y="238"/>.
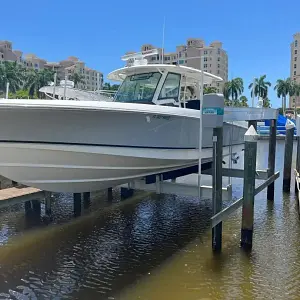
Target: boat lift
<point x="171" y="182"/>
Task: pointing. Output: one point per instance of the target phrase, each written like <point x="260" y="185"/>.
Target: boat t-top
<point x="150" y="127"/>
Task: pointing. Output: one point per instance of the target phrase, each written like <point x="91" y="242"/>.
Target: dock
<point x="14" y="195"/>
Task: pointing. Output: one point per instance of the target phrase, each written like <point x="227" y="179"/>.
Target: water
<point x="151" y="247"/>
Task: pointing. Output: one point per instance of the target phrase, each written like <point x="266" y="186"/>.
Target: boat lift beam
<point x="238" y="173"/>
<point x="175" y="188"/>
<point x="226" y="212"/>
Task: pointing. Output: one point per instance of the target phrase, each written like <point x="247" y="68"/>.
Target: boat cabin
<point x="160" y="84"/>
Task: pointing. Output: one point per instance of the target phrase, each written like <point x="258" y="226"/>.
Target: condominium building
<point x="295" y="67"/>
<point x="215" y="59"/>
<point x="91" y="79"/>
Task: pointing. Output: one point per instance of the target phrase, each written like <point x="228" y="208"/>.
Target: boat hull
<point x="63" y="168"/>
<point x="81" y="146"/>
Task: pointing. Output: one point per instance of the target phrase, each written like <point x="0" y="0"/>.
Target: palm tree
<point x="283" y="88"/>
<point x="13" y="73"/>
<point x="233" y="89"/>
<point x="244" y="101"/>
<point x="77" y="78"/>
<point x="210" y="90"/>
<point x="260" y="87"/>
<point x="36" y="79"/>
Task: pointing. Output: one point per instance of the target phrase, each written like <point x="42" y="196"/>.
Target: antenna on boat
<point x="163" y="42"/>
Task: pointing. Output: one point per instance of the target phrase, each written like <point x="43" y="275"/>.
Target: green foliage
<point x="13" y="73"/>
<point x="21" y="94"/>
<point x="267" y="103"/>
<point x="77" y="78"/>
<point x="232" y="90"/>
<point x="261" y="87"/>
<point x="107" y="86"/>
<point x="243" y="101"/>
<point x="210" y="90"/>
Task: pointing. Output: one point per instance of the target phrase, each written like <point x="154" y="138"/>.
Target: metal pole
<point x="54" y="85"/>
<point x="163" y="42"/>
<point x="200" y="125"/>
<point x="217" y="185"/>
<point x="65" y="88"/>
<point x="288" y="155"/>
<point x="251" y="137"/>
<point x="271" y="159"/>
<point x="7" y="90"/>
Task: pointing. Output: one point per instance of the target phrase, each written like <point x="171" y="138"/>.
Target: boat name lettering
<point x="213" y="111"/>
<point x="161" y="117"/>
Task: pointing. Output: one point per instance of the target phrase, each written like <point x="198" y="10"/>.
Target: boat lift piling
<point x="249" y="187"/>
<point x="288" y="156"/>
<point x="272" y="159"/>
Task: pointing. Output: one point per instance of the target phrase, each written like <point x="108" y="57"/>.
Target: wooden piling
<point x="77" y="204"/>
<point x="126" y="193"/>
<point x="217" y="185"/>
<point x="272" y="159"/>
<point x="48" y="203"/>
<point x="36" y="206"/>
<point x="109" y="194"/>
<point x="288" y="155"/>
<point x="27" y="207"/>
<point x="86" y="199"/>
<point x="249" y="187"/>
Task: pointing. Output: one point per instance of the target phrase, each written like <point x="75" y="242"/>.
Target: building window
<point x="218" y="84"/>
<point x="205" y="58"/>
<point x="218" y="71"/>
<point x="295" y="51"/>
<point x="219" y="59"/>
<point x="295" y="73"/>
<point x="295" y="59"/>
<point x="218" y="65"/>
<point x="205" y="65"/>
<point x="295" y="66"/>
<point x="296" y="43"/>
<point x="219" y="50"/>
<point x="205" y="52"/>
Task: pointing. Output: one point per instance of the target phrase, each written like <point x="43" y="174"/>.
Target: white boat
<point x="81" y="146"/>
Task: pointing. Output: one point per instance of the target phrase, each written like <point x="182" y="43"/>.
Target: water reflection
<point x="150" y="247"/>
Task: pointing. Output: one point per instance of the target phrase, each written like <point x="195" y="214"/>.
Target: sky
<point x="256" y="34"/>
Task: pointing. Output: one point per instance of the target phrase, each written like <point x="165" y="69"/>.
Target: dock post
<point x="271" y="159"/>
<point x="48" y="203"/>
<point x="77" y="204"/>
<point x="288" y="155"/>
<point x="109" y="194"/>
<point x="36" y="206"/>
<point x="217" y="185"/>
<point x="249" y="187"/>
<point x="86" y="199"/>
<point x="126" y="193"/>
<point x="27" y="207"/>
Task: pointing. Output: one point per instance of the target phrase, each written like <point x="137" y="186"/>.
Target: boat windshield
<point x="138" y="88"/>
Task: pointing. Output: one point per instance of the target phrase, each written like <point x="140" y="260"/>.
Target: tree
<point x="37" y="79"/>
<point x="261" y="87"/>
<point x="243" y="101"/>
<point x="77" y="78"/>
<point x="283" y="88"/>
<point x="267" y="103"/>
<point x="210" y="90"/>
<point x="20" y="94"/>
<point x="13" y="73"/>
<point x="233" y="89"/>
